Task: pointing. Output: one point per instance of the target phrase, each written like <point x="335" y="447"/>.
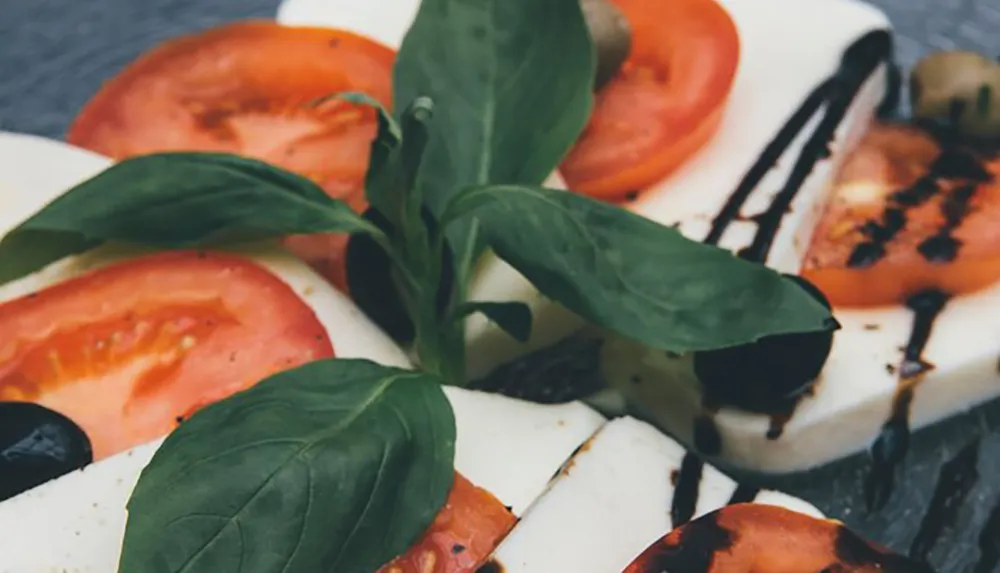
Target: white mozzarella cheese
<point x="76" y="523"/>
<point x="611" y="501"/>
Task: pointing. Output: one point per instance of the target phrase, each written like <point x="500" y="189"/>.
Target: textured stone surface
<point x="55" y="53"/>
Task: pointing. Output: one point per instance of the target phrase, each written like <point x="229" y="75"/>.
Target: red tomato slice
<point x="757" y="538"/>
<point x="250" y="88"/>
<point x="666" y="101"/>
<point x="127" y="349"/>
<point x="471" y="524"/>
<point x="890" y="159"/>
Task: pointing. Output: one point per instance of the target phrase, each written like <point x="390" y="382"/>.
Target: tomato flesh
<point x="893" y="159"/>
<point x="463" y="535"/>
<point x="665" y="103"/>
<point x="252" y="89"/>
<point x="127" y="350"/>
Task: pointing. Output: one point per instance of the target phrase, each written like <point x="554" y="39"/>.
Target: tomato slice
<point x="906" y="215"/>
<point x="758" y="538"/>
<point x="251" y="88"/>
<point x="664" y="104"/>
<point x="464" y="534"/>
<point x="127" y="349"/>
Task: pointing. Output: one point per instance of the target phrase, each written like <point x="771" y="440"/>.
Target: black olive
<point x="612" y="37"/>
<point x="369" y="280"/>
<point x="765" y="376"/>
<point x="37" y="445"/>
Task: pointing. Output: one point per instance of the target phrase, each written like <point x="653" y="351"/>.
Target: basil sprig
<point x="337" y="465"/>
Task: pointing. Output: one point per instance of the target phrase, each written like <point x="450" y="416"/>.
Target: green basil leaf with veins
<point x="502" y="114"/>
<point x="175" y="200"/>
<point x="634" y="276"/>
<point x="514" y="318"/>
<point x="338" y="465"/>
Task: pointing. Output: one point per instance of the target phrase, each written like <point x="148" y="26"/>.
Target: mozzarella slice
<point x="612" y="500"/>
<point x="75" y="523"/>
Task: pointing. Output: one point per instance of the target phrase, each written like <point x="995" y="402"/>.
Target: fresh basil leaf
<point x="375" y="290"/>
<point x="634" y="276"/>
<point x="511" y="81"/>
<point x="174" y="200"/>
<point x="513" y="317"/>
<point x="338" y="465"/>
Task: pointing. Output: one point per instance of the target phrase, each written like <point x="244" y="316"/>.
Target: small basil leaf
<point x="338" y="465"/>
<point x="373" y="288"/>
<point x="636" y="277"/>
<point x="174" y="200"/>
<point x="513" y="317"/>
<point x="502" y="115"/>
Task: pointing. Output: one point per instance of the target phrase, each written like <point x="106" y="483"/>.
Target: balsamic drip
<point x="955" y="480"/>
<point x="892" y="443"/>
<point x="744" y="494"/>
<point x="952" y="164"/>
<point x="700" y="542"/>
<point x="989" y="543"/>
<point x="730" y="212"/>
<point x="942" y="247"/>
<point x="491" y="566"/>
<point x="686" y="493"/>
<point x="858" y="63"/>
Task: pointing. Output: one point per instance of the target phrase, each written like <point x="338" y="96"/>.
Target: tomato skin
<point x="892" y="158"/>
<point x="665" y="103"/>
<point x="235" y="89"/>
<point x="757" y="538"/>
<point x="126" y="350"/>
<point x="463" y="535"/>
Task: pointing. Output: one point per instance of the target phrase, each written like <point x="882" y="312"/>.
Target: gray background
<point x="54" y="54"/>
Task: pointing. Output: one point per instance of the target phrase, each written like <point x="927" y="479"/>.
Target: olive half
<point x="37" y="445"/>
<point x="612" y="37"/>
<point x="766" y="375"/>
<point x="960" y="87"/>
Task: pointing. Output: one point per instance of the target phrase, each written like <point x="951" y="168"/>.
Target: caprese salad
<point x="148" y="299"/>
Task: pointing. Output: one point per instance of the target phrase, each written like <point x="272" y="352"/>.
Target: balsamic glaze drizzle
<point x="744" y="494"/>
<point x="857" y="64"/>
<point x="893" y="442"/>
<point x="955" y="480"/>
<point x="685" y="499"/>
<point x="951" y="164"/>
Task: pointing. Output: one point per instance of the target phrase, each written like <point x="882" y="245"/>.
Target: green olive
<point x="960" y="87"/>
<point x="612" y="37"/>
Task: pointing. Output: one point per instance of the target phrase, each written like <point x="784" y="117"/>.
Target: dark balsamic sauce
<point x="891" y="445"/>
<point x="989" y="543"/>
<point x="700" y="542"/>
<point x="952" y="164"/>
<point x="491" y="566"/>
<point x="836" y="93"/>
<point x="685" y="499"/>
<point x="744" y="493"/>
<point x="955" y="481"/>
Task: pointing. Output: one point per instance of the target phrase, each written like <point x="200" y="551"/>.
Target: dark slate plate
<point x="55" y="53"/>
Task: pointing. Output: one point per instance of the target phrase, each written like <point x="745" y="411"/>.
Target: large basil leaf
<point x="636" y="277"/>
<point x="338" y="465"/>
<point x="511" y="82"/>
<point x="174" y="200"/>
